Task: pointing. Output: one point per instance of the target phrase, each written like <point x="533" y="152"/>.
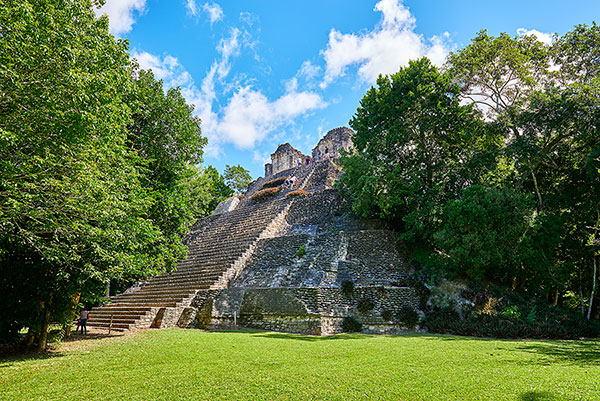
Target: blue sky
<point x="261" y="73"/>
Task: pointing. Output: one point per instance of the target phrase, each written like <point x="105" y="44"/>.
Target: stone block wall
<point x="334" y="141"/>
<point x="317" y="311"/>
<point x="285" y="158"/>
<point x="368" y="257"/>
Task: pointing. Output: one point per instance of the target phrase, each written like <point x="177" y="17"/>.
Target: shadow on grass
<point x="91" y="336"/>
<point x="309" y="338"/>
<point x="585" y="353"/>
<point x="537" y="396"/>
<point x="16" y="357"/>
<point x="13" y="355"/>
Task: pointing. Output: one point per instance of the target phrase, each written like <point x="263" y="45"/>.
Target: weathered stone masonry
<point x="244" y="268"/>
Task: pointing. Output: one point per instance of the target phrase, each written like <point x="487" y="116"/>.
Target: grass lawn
<point x="197" y="365"/>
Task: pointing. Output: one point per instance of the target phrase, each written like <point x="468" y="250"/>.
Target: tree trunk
<point x="43" y="338"/>
<point x="67" y="326"/>
<point x="589" y="314"/>
<point x="537" y="191"/>
<point x="556" y="294"/>
<point x="43" y="335"/>
<point x="29" y="338"/>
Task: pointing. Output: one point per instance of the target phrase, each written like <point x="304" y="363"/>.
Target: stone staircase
<point x="314" y="177"/>
<point x="219" y="248"/>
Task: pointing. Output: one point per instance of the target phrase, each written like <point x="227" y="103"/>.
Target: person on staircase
<point x="84" y="315"/>
<point x="289" y="182"/>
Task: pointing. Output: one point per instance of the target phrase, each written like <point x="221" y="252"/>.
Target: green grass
<point x="197" y="365"/>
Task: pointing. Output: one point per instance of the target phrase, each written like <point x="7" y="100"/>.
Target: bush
<point x="511" y="312"/>
<point x="351" y="325"/>
<point x="274" y="183"/>
<point x="387" y="315"/>
<point x="408" y="316"/>
<point x="301" y="251"/>
<point x="347" y="288"/>
<point x="365" y="305"/>
<point x="521" y="319"/>
<point x="298" y="192"/>
<point x="265" y="194"/>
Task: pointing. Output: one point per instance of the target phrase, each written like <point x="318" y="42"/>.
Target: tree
<point x="206" y="188"/>
<point x="79" y="186"/>
<point x="497" y="74"/>
<point x="483" y="234"/>
<point x="237" y="178"/>
<point x="414" y="145"/>
<point x="166" y="134"/>
<point x="549" y="120"/>
<point x="576" y="53"/>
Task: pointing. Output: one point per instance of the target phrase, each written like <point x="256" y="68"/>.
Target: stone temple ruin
<point x="289" y="263"/>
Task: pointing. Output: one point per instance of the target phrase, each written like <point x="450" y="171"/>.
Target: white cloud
<point x="309" y="70"/>
<point x="214" y="11"/>
<point x="166" y="68"/>
<point x="390" y="45"/>
<point x="291" y="85"/>
<point x="543" y="37"/>
<point x="228" y="47"/>
<point x="248" y="18"/>
<point x="121" y="14"/>
<point x="248" y="116"/>
<point x="263" y="158"/>
<point x="192" y="7"/>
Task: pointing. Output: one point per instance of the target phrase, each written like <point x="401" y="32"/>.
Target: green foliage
<point x="167" y="136"/>
<point x="387" y="315"/>
<point x="347" y="288"/>
<point x="511" y="198"/>
<point x="92" y="159"/>
<point x="351" y="325"/>
<point x="237" y="178"/>
<point x="274" y="182"/>
<point x="512" y="311"/>
<point x="264" y="194"/>
<point x="301" y="251"/>
<point x="531" y="316"/>
<point x="499" y="73"/>
<point x="205" y="188"/>
<point x="481" y="232"/>
<point x="408" y="316"/>
<point x="496" y="313"/>
<point x="413" y="139"/>
<point x="365" y="305"/>
<point x="500" y="326"/>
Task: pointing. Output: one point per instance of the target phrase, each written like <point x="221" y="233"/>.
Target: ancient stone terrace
<point x="245" y="266"/>
<point x="280" y="290"/>
<point x="217" y="249"/>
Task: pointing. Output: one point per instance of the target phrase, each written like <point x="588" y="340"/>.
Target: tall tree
<point x="166" y="134"/>
<point x="237" y="178"/>
<point x="206" y="188"/>
<point x="79" y="189"/>
<point x="411" y="147"/>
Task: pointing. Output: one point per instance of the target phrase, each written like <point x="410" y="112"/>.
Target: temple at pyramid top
<point x="287" y="157"/>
